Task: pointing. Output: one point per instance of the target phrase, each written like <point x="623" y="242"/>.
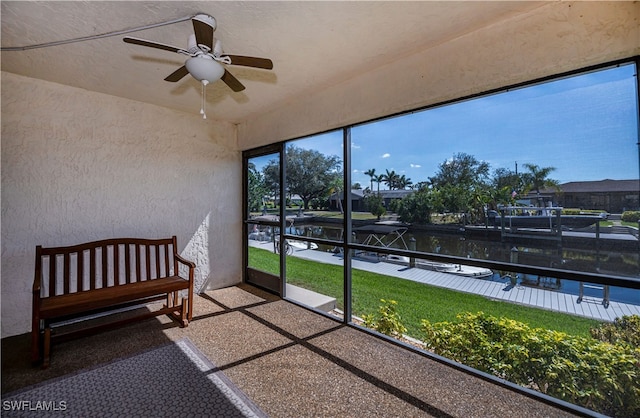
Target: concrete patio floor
<point x="291" y="362"/>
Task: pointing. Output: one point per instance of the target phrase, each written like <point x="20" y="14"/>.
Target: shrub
<point x="630" y="216"/>
<point x="375" y="204"/>
<point x="387" y="321"/>
<point x="416" y="208"/>
<point x="595" y="374"/>
<point x="624" y="329"/>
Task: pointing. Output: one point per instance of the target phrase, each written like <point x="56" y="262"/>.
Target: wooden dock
<point x="524" y="295"/>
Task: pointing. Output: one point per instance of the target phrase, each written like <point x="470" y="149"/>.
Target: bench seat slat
<point x="78" y="302"/>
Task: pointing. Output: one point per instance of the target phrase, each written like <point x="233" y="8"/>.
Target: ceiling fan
<point x="206" y="57"/>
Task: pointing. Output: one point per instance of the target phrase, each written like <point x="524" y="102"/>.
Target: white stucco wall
<point x="79" y="166"/>
<point x="554" y="38"/>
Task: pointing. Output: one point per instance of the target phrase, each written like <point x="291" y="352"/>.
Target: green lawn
<point x="416" y="301"/>
<point x="633" y="224"/>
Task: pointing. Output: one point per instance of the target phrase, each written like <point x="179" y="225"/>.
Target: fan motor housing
<point x="206" y="19"/>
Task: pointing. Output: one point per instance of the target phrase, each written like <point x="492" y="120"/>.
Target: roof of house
<point x="600" y="186"/>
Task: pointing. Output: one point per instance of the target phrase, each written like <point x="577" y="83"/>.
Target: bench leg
<point x="184" y="312"/>
<point x="181" y="317"/>
<point x="47" y="347"/>
<point x="36" y="343"/>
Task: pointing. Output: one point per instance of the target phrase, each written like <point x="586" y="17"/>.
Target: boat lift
<point x="394" y="234"/>
<point x="605" y="292"/>
<point x="377" y="234"/>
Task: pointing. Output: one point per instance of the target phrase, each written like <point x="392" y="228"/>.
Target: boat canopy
<point x="380" y="229"/>
<point x="377" y="233"/>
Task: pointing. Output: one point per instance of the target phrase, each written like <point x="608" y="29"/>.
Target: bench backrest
<point x="106" y="263"/>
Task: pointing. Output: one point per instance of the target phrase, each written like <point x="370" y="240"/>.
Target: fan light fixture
<point x="206" y="70"/>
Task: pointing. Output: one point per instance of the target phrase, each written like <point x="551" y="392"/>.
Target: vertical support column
<point x="412" y="247"/>
<point x="346" y="140"/>
<point x="283" y="222"/>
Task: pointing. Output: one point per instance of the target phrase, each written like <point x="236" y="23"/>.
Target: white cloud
<point x="415" y="165"/>
<point x="354" y="146"/>
<point x="355" y="170"/>
<point x="386" y="155"/>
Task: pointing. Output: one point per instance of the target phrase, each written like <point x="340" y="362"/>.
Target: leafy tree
<point x="256" y="188"/>
<point x="421" y="185"/>
<point x="417" y="207"/>
<point x="500" y="196"/>
<point x="271" y="177"/>
<point x="461" y="184"/>
<point x="506" y="184"/>
<point x="356" y="186"/>
<point x="375" y="204"/>
<point x="455" y="198"/>
<point x="310" y="174"/>
<point x="462" y="170"/>
<point x="503" y="177"/>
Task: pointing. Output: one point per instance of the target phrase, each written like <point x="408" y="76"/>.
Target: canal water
<point x="587" y="258"/>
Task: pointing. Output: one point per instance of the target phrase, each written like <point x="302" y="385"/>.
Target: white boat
<point x="302" y="245"/>
<point x="459" y="269"/>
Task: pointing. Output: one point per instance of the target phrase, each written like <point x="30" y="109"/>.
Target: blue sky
<point x="585" y="126"/>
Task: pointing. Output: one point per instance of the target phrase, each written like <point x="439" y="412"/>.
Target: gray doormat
<point x="168" y="381"/>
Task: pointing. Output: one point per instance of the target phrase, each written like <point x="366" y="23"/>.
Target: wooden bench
<point x="96" y="278"/>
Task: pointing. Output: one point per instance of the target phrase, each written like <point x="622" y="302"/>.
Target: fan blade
<point x="151" y="44"/>
<point x="204" y="33"/>
<point x="177" y="74"/>
<point x="265" y="63"/>
<point x="232" y="82"/>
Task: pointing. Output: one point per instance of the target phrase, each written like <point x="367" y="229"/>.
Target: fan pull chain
<point x="204" y="98"/>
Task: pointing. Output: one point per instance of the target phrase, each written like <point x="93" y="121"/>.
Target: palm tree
<point x="536" y="178"/>
<point x="391" y="179"/>
<point x="378" y="179"/>
<point x="403" y="182"/>
<point x="371" y="173"/>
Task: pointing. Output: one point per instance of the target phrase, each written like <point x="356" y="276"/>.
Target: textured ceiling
<point x="313" y="45"/>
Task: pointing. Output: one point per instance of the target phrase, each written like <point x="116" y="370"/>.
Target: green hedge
<point x="630" y="216"/>
<point x="598" y="375"/>
<point x="574" y="211"/>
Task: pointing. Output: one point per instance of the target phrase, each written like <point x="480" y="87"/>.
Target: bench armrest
<point x="192" y="267"/>
<point x="184" y="261"/>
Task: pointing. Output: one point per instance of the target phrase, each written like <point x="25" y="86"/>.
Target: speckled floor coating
<point x="291" y="362"/>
